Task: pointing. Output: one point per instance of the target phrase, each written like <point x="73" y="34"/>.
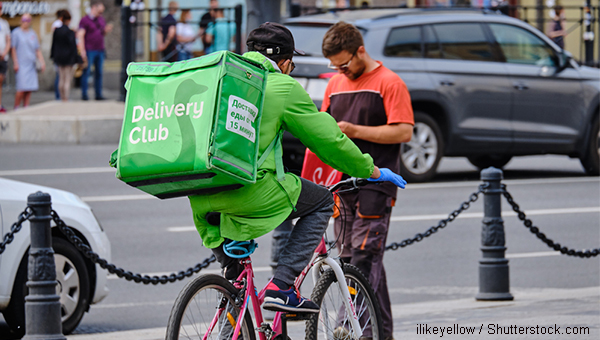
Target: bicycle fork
<point x="341" y="281"/>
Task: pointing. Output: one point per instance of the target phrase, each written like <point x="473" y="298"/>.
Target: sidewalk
<point x="565" y="311"/>
<point x="75" y="122"/>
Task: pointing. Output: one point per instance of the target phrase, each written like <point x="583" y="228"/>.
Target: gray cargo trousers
<point x="364" y="240"/>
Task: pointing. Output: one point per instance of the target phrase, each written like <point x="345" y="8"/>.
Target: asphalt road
<point x="147" y="237"/>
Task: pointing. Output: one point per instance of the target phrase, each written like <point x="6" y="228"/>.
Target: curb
<point x="54" y="122"/>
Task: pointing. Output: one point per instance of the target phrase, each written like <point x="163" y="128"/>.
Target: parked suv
<point x="483" y="85"/>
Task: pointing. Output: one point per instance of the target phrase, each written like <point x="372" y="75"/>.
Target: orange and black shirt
<point x="375" y="98"/>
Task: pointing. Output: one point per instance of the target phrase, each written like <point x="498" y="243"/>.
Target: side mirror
<point x="564" y="60"/>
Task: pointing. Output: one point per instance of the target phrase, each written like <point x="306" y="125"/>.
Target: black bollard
<point x="493" y="267"/>
<point x="42" y="305"/>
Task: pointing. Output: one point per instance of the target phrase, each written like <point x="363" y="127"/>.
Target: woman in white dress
<point x="25" y="51"/>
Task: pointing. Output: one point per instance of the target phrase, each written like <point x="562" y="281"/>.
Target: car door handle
<point x="520" y="86"/>
<point x="446" y="83"/>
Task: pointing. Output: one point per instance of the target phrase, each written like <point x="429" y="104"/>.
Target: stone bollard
<point x="493" y="267"/>
<point x="42" y="306"/>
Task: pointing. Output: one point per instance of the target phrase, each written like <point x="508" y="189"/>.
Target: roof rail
<point x="405" y="10"/>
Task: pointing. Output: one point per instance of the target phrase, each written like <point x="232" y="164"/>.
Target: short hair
<point x="94" y="3"/>
<point x="173" y="6"/>
<point x="341" y="37"/>
<point x="59" y="13"/>
<point x="558" y="9"/>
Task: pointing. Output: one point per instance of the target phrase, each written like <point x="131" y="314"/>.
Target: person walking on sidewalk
<point x="372" y="107"/>
<point x="25" y="52"/>
<point x="186" y="35"/>
<point x="166" y="34"/>
<point x="256" y="209"/>
<point x="64" y="54"/>
<point x="56" y="24"/>
<point x="4" y="51"/>
<point x="90" y="36"/>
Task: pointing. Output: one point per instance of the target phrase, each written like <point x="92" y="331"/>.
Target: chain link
<point x="556" y="246"/>
<point x="127" y="275"/>
<point x="16" y="227"/>
<point x="442" y="224"/>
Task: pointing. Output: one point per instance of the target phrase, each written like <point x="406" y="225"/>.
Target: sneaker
<point x="290" y="300"/>
<point x="2" y="109"/>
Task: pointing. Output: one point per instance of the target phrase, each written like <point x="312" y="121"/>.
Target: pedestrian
<point x="186" y="35"/>
<point x="206" y="19"/>
<point x="90" y="39"/>
<point x="372" y="107"/>
<point x="166" y="35"/>
<point x="64" y="54"/>
<point x="56" y="24"/>
<point x="220" y="33"/>
<point x="25" y="53"/>
<point x="5" y="45"/>
<point x="556" y="28"/>
<point x="256" y="209"/>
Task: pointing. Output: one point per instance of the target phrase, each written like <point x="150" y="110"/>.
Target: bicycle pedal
<point x="296" y="316"/>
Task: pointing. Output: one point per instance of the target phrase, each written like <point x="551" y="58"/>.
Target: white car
<point x="80" y="282"/>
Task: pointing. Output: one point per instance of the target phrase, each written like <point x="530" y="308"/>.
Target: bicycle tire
<point x="325" y="294"/>
<point x="198" y="302"/>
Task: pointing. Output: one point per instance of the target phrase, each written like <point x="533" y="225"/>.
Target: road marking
<point x="64" y="171"/>
<point x="507" y="213"/>
<point x="537" y="254"/>
<point x="204" y="271"/>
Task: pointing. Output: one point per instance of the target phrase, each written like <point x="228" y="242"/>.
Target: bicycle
<point x="349" y="310"/>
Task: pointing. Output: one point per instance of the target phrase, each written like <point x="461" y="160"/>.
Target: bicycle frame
<point x="246" y="281"/>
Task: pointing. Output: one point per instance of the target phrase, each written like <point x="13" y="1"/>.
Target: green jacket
<point x="254" y="210"/>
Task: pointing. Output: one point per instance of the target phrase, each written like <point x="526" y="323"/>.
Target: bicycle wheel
<point x="206" y="309"/>
<point x="333" y="322"/>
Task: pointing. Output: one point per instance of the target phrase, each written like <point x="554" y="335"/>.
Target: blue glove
<point x="388" y="175"/>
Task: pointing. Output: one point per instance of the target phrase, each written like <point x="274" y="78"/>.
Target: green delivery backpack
<point x="192" y="127"/>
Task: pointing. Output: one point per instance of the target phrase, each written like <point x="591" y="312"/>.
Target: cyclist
<point x="254" y="210"/>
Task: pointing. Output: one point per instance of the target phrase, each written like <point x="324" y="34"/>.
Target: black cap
<point x="272" y="38"/>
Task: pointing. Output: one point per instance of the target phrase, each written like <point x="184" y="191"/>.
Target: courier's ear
<point x="284" y="66"/>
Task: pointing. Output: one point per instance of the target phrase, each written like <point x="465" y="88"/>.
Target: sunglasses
<point x="343" y="67"/>
<point x="25" y="20"/>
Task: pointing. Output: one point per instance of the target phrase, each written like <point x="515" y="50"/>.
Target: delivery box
<point x="191" y="127"/>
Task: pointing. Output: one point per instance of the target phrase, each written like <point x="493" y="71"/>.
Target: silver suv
<point x="483" y="85"/>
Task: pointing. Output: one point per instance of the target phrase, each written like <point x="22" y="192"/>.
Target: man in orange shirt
<point x="372" y="106"/>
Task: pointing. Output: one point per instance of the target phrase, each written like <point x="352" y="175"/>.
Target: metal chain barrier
<point x="535" y="230"/>
<point x="16" y="227"/>
<point x="442" y="224"/>
<point x="121" y="273"/>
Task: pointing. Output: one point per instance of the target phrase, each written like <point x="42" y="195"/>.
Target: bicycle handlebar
<point x="350" y="183"/>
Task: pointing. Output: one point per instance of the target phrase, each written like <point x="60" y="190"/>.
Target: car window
<point x="309" y="38"/>
<point x="522" y="47"/>
<point x="404" y="42"/>
<point x="432" y="46"/>
<point x="465" y="41"/>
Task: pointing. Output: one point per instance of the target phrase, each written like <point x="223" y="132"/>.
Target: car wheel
<point x="420" y="157"/>
<point x="487" y="161"/>
<point x="591" y="159"/>
<point x="73" y="288"/>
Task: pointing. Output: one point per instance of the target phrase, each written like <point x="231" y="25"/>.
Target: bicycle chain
<point x="535" y="230"/>
<point x="442" y="224"/>
<point x="121" y="273"/>
<point x="15" y="228"/>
